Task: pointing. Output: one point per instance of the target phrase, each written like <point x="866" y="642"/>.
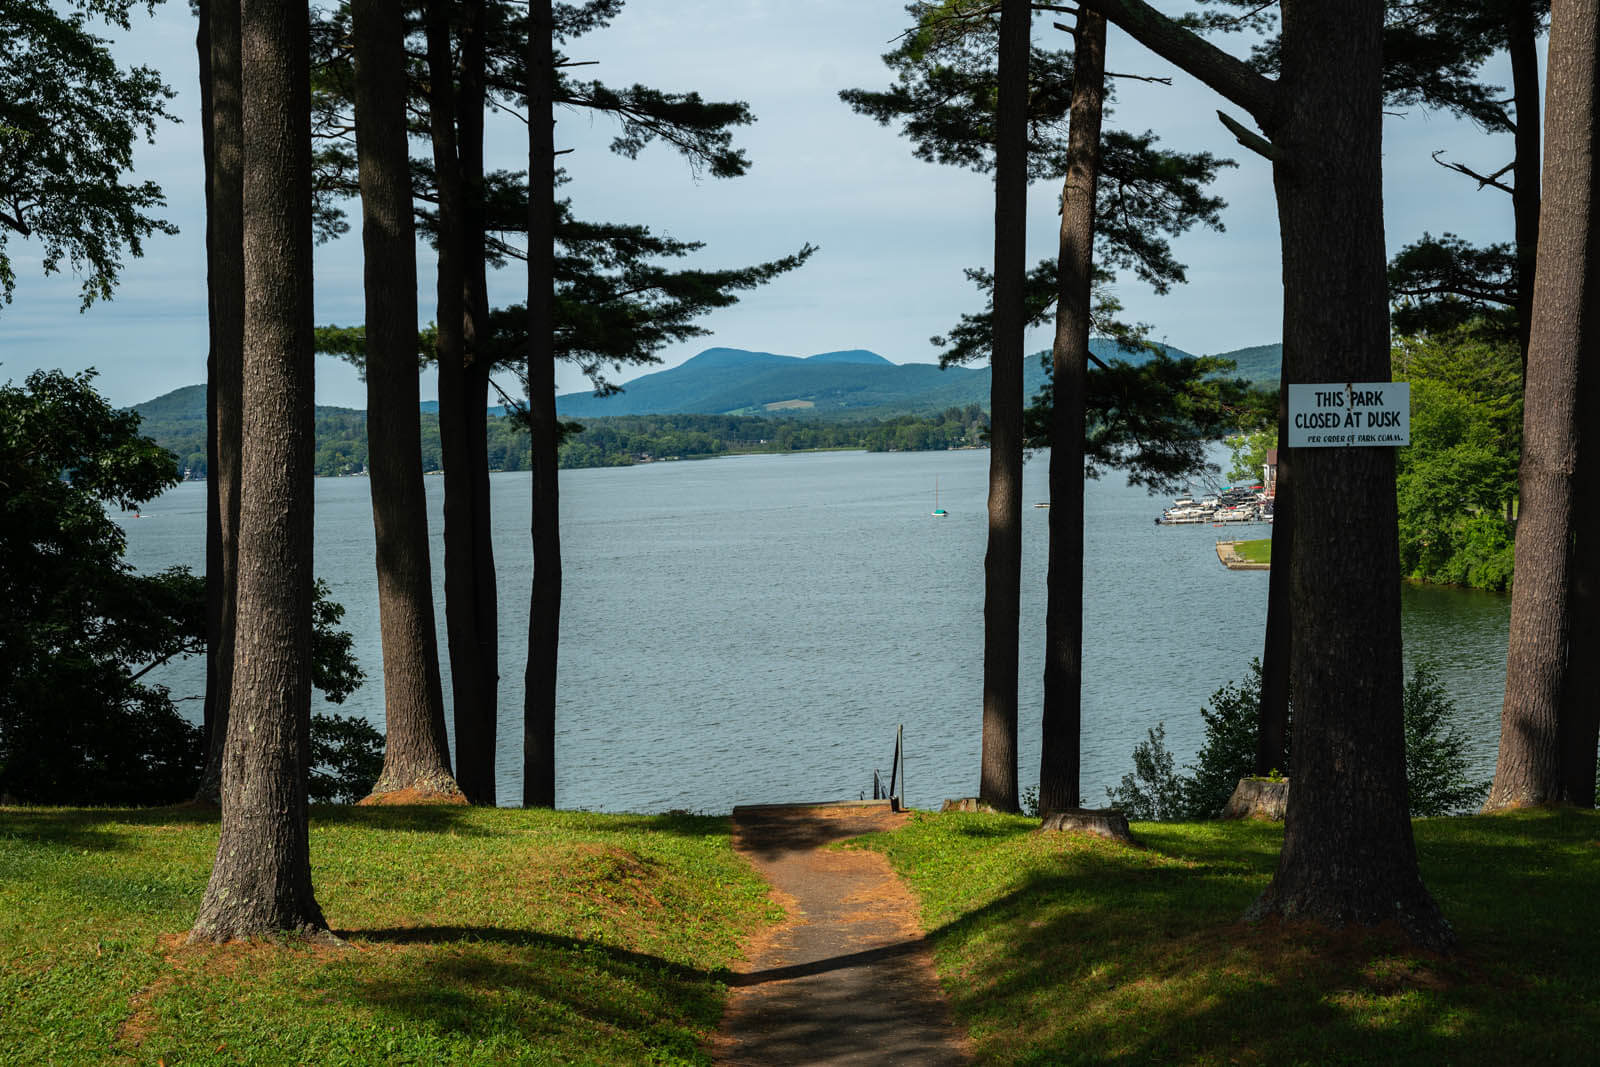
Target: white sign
<point x="1345" y="414"/>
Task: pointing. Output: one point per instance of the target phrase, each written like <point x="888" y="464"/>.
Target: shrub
<point x="1228" y="752"/>
<point x="1436" y="763"/>
<point x="346" y="759"/>
<point x="1154" y="792"/>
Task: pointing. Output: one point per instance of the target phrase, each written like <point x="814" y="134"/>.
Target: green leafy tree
<point x="1457" y="481"/>
<point x="1247" y="453"/>
<point x="80" y="723"/>
<point x="80" y="627"/>
<point x="69" y="117"/>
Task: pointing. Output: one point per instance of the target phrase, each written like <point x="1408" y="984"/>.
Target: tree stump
<point x="968" y="804"/>
<point x="1102" y="822"/>
<point x="1258" y="798"/>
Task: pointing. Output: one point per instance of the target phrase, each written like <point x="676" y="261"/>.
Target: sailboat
<point x="938" y="512"/>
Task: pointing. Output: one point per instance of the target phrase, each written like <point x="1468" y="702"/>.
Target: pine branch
<point x="1183" y="48"/>
<point x="1249" y="138"/>
<point x="1482" y="179"/>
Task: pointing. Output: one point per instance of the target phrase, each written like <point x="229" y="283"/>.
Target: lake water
<point x="753" y="629"/>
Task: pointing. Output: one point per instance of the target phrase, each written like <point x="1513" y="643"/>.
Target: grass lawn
<point x="1059" y="949"/>
<point x="1255" y="551"/>
<point x="474" y="936"/>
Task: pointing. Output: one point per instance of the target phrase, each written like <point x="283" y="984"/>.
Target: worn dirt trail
<point x="847" y="978"/>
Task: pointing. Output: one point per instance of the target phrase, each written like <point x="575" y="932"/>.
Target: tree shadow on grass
<point x="467" y="821"/>
<point x="515" y="938"/>
<point x="534" y="988"/>
<point x="94" y="829"/>
<point x="1145" y="961"/>
<point x="997" y="829"/>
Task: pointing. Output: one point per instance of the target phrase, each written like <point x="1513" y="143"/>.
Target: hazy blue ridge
<point x="1260" y="364"/>
<point x="735" y="381"/>
<point x="725" y="381"/>
<point x="854" y="381"/>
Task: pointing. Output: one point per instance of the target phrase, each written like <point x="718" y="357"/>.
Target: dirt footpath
<point x="847" y="978"/>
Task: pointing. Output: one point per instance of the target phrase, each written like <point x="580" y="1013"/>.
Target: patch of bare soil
<point x="411" y="796"/>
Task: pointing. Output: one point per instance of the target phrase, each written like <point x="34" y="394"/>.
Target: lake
<point x="754" y="629"/>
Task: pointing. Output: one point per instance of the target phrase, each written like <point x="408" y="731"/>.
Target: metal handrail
<point x="894" y="791"/>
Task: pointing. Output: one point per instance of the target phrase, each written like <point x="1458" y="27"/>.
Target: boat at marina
<point x="1230" y="504"/>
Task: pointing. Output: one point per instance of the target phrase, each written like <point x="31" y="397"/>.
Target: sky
<point x="894" y="232"/>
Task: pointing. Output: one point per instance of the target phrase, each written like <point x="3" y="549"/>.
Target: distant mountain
<point x="187" y="407"/>
<point x="1261" y="364"/>
<point x="732" y="381"/>
<point x="177" y="421"/>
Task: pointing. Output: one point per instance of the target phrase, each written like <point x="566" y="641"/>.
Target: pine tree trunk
<point x="474" y="751"/>
<point x="222" y="135"/>
<point x="1002" y="563"/>
<point x="1348" y="854"/>
<point x="1522" y="48"/>
<point x="544" y="615"/>
<point x="213" y="695"/>
<point x="1348" y="851"/>
<point x="416" y="750"/>
<point x="1059" y="763"/>
<point x="261" y="880"/>
<point x="474" y="335"/>
<point x="1272" y="719"/>
<point x="1566" y="315"/>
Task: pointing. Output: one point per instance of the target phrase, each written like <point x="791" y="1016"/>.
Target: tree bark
<point x="1522" y="48"/>
<point x="416" y="749"/>
<point x="222" y="136"/>
<point x="1348" y="854"/>
<point x="1059" y="763"/>
<point x="1566" y="314"/>
<point x="1003" y="560"/>
<point x="261" y="880"/>
<point x="213" y="695"/>
<point x="477" y="366"/>
<point x="1272" y="720"/>
<point x="474" y="751"/>
<point x="544" y="614"/>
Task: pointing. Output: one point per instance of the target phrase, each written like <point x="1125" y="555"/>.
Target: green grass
<point x="1063" y="949"/>
<point x="474" y="936"/>
<point x="1255" y="551"/>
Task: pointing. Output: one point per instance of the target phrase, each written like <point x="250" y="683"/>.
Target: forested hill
<point x="732" y="381"/>
<point x="177" y="421"/>
<point x="896" y="406"/>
